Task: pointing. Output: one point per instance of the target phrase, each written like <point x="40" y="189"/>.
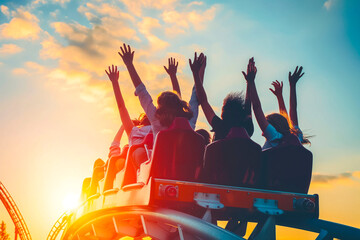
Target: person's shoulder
<point x="271" y="133"/>
<point x="216" y="121"/>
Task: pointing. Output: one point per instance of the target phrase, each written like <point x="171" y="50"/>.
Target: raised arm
<point x="113" y="75"/>
<point x="250" y="78"/>
<point x="196" y="67"/>
<point x="277" y="91"/>
<point x="293" y="78"/>
<point x="119" y="134"/>
<point x="127" y="56"/>
<point x="171" y="70"/>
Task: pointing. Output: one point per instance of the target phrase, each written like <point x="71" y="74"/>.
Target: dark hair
<point x="205" y="134"/>
<point x="171" y="106"/>
<point x="280" y="123"/>
<point x="233" y="110"/>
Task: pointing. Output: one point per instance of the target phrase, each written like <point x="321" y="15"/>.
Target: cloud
<point x="319" y="178"/>
<point x="329" y="4"/>
<point x="23" y="25"/>
<point x="84" y="51"/>
<point x="106" y="9"/>
<point x="19" y="71"/>
<point x="180" y="22"/>
<point x="136" y="7"/>
<point x="195" y="3"/>
<point x="5" y="10"/>
<point x="61" y="2"/>
<point x="9" y="49"/>
<point x="30" y="68"/>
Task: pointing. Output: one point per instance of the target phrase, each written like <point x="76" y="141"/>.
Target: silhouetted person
<point x="235" y="111"/>
<point x="277" y="91"/>
<point x="274" y="126"/>
<point x="169" y="104"/>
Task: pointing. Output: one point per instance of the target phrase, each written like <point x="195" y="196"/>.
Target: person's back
<point x="234" y="161"/>
<point x="287" y="167"/>
<point x="177" y="154"/>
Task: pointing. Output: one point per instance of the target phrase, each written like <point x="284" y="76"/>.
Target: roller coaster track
<point x="14" y="212"/>
<point x="58" y="226"/>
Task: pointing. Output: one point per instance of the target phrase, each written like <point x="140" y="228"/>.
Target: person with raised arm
<point x="171" y="70"/>
<point x="193" y="102"/>
<point x="274" y="126"/>
<point x="277" y="91"/>
<point x="235" y="111"/>
<point x="293" y="79"/>
<point x="135" y="132"/>
<point x="169" y="104"/>
<point x="293" y="118"/>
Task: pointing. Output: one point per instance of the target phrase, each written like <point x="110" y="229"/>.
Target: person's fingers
<point x="281" y="85"/>
<point x="165" y="69"/>
<point x="177" y="63"/>
<point x="107" y="73"/>
<point x="273" y="91"/>
<point x="300" y="69"/>
<point x="244" y="74"/>
<point x="301" y="75"/>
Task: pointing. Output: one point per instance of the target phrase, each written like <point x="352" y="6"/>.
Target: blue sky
<point x="58" y="112"/>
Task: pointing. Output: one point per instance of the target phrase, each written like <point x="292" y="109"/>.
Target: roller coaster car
<point x="175" y="195"/>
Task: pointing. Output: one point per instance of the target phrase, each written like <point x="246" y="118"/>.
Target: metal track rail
<point x="14" y="213"/>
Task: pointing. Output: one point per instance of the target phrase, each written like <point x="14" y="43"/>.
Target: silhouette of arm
<point x="293" y="78"/>
<point x="250" y="78"/>
<point x="196" y="66"/>
<point x="277" y="91"/>
<point x="113" y="75"/>
<point x="247" y="101"/>
<point x="171" y="70"/>
<point x="128" y="56"/>
<point x="119" y="134"/>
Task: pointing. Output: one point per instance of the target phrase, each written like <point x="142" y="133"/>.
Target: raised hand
<point x="277" y="91"/>
<point x="293" y="78"/>
<point x="126" y="54"/>
<point x="172" y="67"/>
<point x="251" y="71"/>
<point x="202" y="70"/>
<point x="197" y="63"/>
<point x="113" y="74"/>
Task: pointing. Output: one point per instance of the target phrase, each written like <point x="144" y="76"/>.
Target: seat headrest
<point x="180" y="123"/>
<point x="237" y="132"/>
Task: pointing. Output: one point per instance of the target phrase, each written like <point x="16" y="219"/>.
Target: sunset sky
<point x="58" y="113"/>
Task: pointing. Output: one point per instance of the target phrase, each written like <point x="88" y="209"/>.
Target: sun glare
<point x="71" y="201"/>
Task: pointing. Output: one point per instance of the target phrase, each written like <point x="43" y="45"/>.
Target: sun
<point x="70" y="201"/>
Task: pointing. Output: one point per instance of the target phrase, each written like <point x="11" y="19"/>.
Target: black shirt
<point x="221" y="129"/>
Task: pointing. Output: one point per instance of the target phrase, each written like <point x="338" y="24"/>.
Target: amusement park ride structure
<point x="20" y="226"/>
<point x="182" y="191"/>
